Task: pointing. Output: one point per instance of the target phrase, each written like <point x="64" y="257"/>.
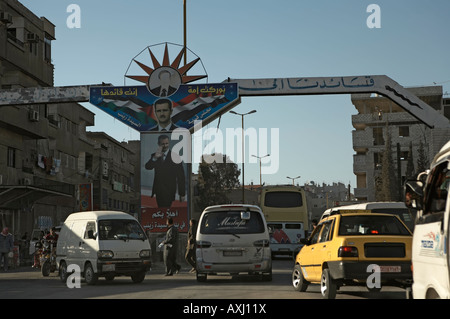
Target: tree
<point x="386" y="186"/>
<point x="422" y="160"/>
<point x="218" y="175"/>
<point x="410" y="164"/>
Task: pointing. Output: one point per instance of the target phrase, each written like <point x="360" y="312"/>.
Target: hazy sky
<point x="262" y="39"/>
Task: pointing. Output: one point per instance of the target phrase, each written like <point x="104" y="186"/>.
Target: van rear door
<point x="228" y="237"/>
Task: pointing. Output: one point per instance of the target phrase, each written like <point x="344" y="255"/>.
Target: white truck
<point x="431" y="241"/>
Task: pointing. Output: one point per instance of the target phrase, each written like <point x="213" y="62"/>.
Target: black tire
<point x="298" y="281"/>
<point x="201" y="277"/>
<point x="63" y="272"/>
<point x="138" y="277"/>
<point x="328" y="287"/>
<point x="46" y="268"/>
<point x="89" y="275"/>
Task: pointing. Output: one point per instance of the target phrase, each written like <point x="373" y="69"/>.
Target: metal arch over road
<point x="380" y="84"/>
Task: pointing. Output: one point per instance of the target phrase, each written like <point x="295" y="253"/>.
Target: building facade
<point x="410" y="139"/>
<point x="47" y="158"/>
<point x="113" y="175"/>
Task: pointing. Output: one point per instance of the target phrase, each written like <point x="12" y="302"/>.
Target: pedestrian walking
<point x="170" y="249"/>
<point x="6" y="247"/>
<point x="191" y="245"/>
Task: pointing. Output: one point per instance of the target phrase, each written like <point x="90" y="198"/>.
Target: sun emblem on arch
<point x="164" y="79"/>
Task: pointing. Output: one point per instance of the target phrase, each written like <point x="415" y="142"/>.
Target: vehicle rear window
<point x="283" y="199"/>
<point x="371" y="225"/>
<point x="403" y="213"/>
<point x="230" y="222"/>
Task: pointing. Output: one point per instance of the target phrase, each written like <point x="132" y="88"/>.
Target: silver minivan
<point x="233" y="239"/>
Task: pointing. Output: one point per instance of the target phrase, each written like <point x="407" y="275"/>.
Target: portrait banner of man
<point x="138" y="107"/>
<point x="164" y="179"/>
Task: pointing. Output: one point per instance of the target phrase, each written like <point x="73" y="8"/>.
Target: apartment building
<point x="114" y="175"/>
<point x="47" y="158"/>
<point x="378" y="116"/>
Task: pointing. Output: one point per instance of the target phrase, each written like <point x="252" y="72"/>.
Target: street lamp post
<point x="243" y="151"/>
<point x="293" y="178"/>
<point x="260" y="176"/>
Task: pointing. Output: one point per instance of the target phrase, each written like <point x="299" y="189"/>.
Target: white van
<point x="431" y="241"/>
<point x="103" y="244"/>
<point x="232" y="239"/>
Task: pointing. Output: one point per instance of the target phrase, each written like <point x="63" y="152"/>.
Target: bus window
<point x="283" y="199"/>
<point x="293" y="226"/>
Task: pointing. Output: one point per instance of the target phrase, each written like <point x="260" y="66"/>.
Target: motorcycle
<point x="48" y="257"/>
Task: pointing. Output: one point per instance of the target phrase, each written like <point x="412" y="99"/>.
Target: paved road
<point x="29" y="284"/>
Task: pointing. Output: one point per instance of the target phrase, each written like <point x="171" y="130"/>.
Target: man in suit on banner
<point x="169" y="174"/>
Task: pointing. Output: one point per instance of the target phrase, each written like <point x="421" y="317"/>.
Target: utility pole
<point x="184" y="32"/>
<point x="243" y="151"/>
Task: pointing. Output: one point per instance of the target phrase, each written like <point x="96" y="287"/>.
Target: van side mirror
<point x="413" y="191"/>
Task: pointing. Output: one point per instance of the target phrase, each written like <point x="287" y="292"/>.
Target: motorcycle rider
<point x="52" y="236"/>
<point x="48" y="257"/>
<point x="37" y="253"/>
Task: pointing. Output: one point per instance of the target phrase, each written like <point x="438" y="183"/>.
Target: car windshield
<point x="372" y="225"/>
<point x="120" y="229"/>
<point x="230" y="222"/>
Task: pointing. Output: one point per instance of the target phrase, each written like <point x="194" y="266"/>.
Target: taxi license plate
<point x="231" y="253"/>
<point x="390" y="268"/>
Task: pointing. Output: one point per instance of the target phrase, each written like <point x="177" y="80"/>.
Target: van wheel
<point x="138" y="277"/>
<point x="328" y="285"/>
<point x="298" y="281"/>
<point x="63" y="272"/>
<point x="201" y="277"/>
<point x="89" y="275"/>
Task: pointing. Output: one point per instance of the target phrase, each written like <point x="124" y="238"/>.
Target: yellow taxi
<point x="368" y="249"/>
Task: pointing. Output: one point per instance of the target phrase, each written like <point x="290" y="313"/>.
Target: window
<point x="371" y="225"/>
<point x="90" y="230"/>
<point x="403" y="131"/>
<point x="230" y="222"/>
<point x="326" y="231"/>
<point x="437" y="192"/>
<point x="11" y="160"/>
<point x="404" y="155"/>
<point x="47" y="50"/>
<point x="315" y="234"/>
<point x="377" y="160"/>
<point x="283" y="199"/>
<point x="378" y="138"/>
<point x="120" y="229"/>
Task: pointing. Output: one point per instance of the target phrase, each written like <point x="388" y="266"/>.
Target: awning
<point x="14" y="196"/>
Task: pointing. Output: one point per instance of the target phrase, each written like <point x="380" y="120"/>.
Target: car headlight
<point x="145" y="253"/>
<point x="105" y="254"/>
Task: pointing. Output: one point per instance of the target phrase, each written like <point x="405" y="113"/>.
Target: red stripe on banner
<point x="186" y="100"/>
